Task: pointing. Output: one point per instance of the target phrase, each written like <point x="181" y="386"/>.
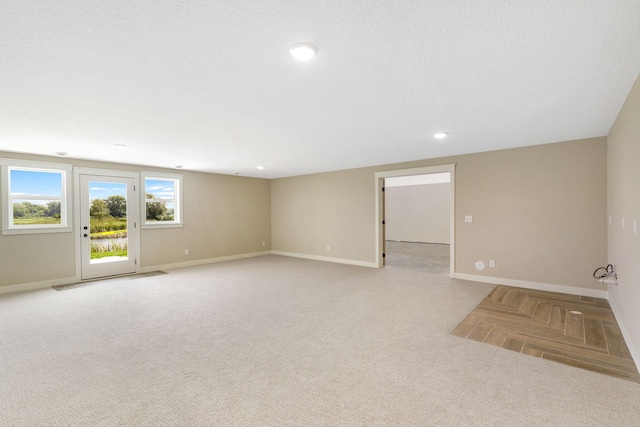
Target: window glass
<point x="162" y="200"/>
<point x="34" y="198"/>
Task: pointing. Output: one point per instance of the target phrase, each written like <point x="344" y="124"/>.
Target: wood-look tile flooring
<point x="569" y="329"/>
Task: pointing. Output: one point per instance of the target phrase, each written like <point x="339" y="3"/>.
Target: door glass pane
<point x="108" y="221"/>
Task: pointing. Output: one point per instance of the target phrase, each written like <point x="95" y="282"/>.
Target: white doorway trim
<point x="380" y="177"/>
<point x="77" y="171"/>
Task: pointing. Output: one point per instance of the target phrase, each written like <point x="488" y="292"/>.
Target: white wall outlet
<point x="468" y="218"/>
<point x="186" y="251"/>
<point x="492" y="263"/>
<point x="264" y="243"/>
<point x="328" y="247"/>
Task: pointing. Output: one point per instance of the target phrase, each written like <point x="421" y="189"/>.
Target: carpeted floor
<point x="283" y="342"/>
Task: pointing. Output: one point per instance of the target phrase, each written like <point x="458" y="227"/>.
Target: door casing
<point x="134" y="232"/>
<point x="379" y="202"/>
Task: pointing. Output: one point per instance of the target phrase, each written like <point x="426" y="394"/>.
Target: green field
<point x="36" y="220"/>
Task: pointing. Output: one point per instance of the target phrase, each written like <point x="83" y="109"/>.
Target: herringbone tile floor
<point x="569" y="329"/>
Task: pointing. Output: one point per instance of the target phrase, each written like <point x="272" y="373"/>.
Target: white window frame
<point x="66" y="223"/>
<point x="177" y="202"/>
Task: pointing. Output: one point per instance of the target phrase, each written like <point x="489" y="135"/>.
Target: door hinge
<point x="384" y="255"/>
<point x="383" y="222"/>
<point x="136" y="262"/>
<point x="383" y="189"/>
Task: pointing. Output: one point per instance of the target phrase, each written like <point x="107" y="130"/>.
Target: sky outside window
<point x="161" y="188"/>
<point x="35" y="183"/>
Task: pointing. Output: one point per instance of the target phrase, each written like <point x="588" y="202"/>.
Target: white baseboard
<point x="202" y="261"/>
<point x="327" y="259"/>
<point x="625" y="333"/>
<point x="21" y="287"/>
<point x="563" y="289"/>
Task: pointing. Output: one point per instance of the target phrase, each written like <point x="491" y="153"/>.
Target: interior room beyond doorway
<point x="417" y="218"/>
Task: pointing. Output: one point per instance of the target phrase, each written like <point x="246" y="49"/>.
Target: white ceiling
<point x="211" y="85"/>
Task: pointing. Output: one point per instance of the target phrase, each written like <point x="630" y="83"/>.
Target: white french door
<point x="109" y="234"/>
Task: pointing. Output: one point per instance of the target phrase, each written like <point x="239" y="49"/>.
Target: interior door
<point x="108" y="227"/>
<point x="384" y="226"/>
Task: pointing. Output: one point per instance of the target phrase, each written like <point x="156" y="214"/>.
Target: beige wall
<point x="538" y="211"/>
<point x="223" y="216"/>
<point x="623" y="201"/>
<point x="418" y="213"/>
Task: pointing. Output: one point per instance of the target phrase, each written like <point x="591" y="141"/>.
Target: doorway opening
<point x="417" y="221"/>
<point x="415" y="225"/>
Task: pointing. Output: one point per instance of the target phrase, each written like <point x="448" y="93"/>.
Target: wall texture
<point x="418" y="213"/>
<point x="223" y="216"/>
<point x="623" y="201"/>
<point x="539" y="211"/>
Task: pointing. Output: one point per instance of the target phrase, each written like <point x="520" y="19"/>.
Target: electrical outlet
<point x="492" y="263"/>
<point x="264" y="243"/>
<point x="328" y="247"/>
<point x="186" y="251"/>
<point x="468" y="218"/>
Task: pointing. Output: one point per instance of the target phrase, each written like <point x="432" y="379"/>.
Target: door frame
<point x="426" y="170"/>
<point x="135" y="230"/>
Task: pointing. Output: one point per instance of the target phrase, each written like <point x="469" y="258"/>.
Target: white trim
<point x="33" y="164"/>
<point x="165" y="175"/>
<point x="66" y="219"/>
<point x="426" y="170"/>
<point x="327" y="259"/>
<point x="550" y="287"/>
<point x="77" y="172"/>
<point x="21" y="287"/>
<point x="625" y="333"/>
<point x="105" y="172"/>
<point x="202" y="261"/>
<point x="32" y="286"/>
<point x="34" y="230"/>
<point x="177" y="178"/>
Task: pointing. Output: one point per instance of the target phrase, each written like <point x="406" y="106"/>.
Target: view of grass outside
<point x="158" y="210"/>
<point x="28" y="213"/>
<point x="35" y="196"/>
<point x="108" y="221"/>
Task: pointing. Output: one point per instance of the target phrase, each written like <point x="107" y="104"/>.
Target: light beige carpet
<point x="283" y="342"/>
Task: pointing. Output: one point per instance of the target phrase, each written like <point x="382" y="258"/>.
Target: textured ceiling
<point x="211" y="85"/>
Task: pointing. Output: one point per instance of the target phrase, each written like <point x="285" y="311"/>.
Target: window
<point x="162" y="199"/>
<point x="35" y="197"/>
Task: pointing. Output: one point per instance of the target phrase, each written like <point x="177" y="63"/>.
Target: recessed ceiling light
<point x="120" y="146"/>
<point x="303" y="51"/>
<point x="260" y="167"/>
<point x="61" y="154"/>
<point x="440" y="135"/>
